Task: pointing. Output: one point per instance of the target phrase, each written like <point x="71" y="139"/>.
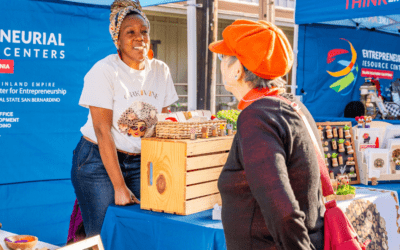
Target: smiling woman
<point x="134" y="41"/>
<point x="123" y="92"/>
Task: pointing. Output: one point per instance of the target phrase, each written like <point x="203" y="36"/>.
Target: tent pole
<point x="192" y="57"/>
<point x="295" y="52"/>
<point x="214" y="60"/>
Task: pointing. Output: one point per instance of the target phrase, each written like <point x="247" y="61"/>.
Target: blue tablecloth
<point x="132" y="228"/>
<point x="388" y="185"/>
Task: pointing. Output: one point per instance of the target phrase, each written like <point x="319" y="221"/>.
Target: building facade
<point x="169" y="39"/>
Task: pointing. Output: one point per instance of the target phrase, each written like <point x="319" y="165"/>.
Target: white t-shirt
<point x="111" y="84"/>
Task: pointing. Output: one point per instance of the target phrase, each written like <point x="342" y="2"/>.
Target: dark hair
<point x="353" y="109"/>
<point x="256" y="81"/>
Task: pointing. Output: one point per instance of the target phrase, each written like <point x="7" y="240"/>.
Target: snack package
<point x="207" y="114"/>
<point x="197" y="119"/>
<point x="162" y="116"/>
<point x="181" y="117"/>
<point x="187" y="115"/>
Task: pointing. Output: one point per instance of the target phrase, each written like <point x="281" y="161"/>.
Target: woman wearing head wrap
<point x="123" y="92"/>
<point x="270" y="185"/>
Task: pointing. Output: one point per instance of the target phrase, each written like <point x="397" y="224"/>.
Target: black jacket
<point x="270" y="185"/>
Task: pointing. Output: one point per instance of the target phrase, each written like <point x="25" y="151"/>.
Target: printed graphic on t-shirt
<point x="138" y="120"/>
<point x="138" y="93"/>
<point x="113" y="85"/>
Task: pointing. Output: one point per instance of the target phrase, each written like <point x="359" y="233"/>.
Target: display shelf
<point x="364" y="169"/>
<point x="327" y="134"/>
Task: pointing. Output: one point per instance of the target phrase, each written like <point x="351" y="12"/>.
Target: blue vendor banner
<point x="46" y="48"/>
<point x="311" y="11"/>
<point x="143" y="3"/>
<point x="334" y="61"/>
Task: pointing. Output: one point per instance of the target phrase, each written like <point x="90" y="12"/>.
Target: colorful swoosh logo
<point x="349" y="73"/>
<point x="335" y="52"/>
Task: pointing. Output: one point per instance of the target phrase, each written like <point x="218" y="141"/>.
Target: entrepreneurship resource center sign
<point x="27" y="38"/>
<point x="30" y="45"/>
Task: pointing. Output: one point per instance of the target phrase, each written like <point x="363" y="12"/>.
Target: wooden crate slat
<point x="201" y="189"/>
<point x="203" y="175"/>
<point x="203" y="203"/>
<point x="206" y="161"/>
<point x="163" y="155"/>
<point x="205" y="146"/>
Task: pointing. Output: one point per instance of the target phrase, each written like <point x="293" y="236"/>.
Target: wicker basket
<point x="181" y="130"/>
<point x="345" y="197"/>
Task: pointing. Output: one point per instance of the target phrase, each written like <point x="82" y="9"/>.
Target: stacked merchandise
<point x="393" y="107"/>
<point x="191" y="125"/>
<point x="378" y="152"/>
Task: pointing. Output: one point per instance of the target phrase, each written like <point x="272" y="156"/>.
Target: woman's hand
<point x="124" y="196"/>
<point x="102" y="123"/>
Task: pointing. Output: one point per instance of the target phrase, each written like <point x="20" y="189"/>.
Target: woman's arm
<point x="102" y="123"/>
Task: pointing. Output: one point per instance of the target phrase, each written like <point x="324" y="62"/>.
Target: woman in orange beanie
<point x="270" y="185"/>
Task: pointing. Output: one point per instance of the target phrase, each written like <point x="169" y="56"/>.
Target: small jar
<point x="326" y="149"/>
<point x="320" y="132"/>
<point x="334" y="144"/>
<point x="341" y="148"/>
<point x="350" y="161"/>
<point x="335" y="132"/>
<point x="340" y="159"/>
<point x="223" y="130"/>
<point x="367" y="123"/>
<point x="334" y="183"/>
<point x="335" y="162"/>
<point x="329" y="134"/>
<point x="340" y="133"/>
<point x="347" y="134"/>
<point x="230" y="129"/>
<point x="350" y="150"/>
<point x="204" y="132"/>
<point x="193" y="135"/>
<point x="214" y="131"/>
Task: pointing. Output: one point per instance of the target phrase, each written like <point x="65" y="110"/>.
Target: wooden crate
<point x="180" y="176"/>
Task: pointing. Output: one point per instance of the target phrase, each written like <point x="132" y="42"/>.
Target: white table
<point x="39" y="245"/>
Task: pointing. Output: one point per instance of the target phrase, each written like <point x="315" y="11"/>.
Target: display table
<point x="387" y="185"/>
<point x="39" y="245"/>
<point x="132" y="228"/>
<point x="373" y="213"/>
